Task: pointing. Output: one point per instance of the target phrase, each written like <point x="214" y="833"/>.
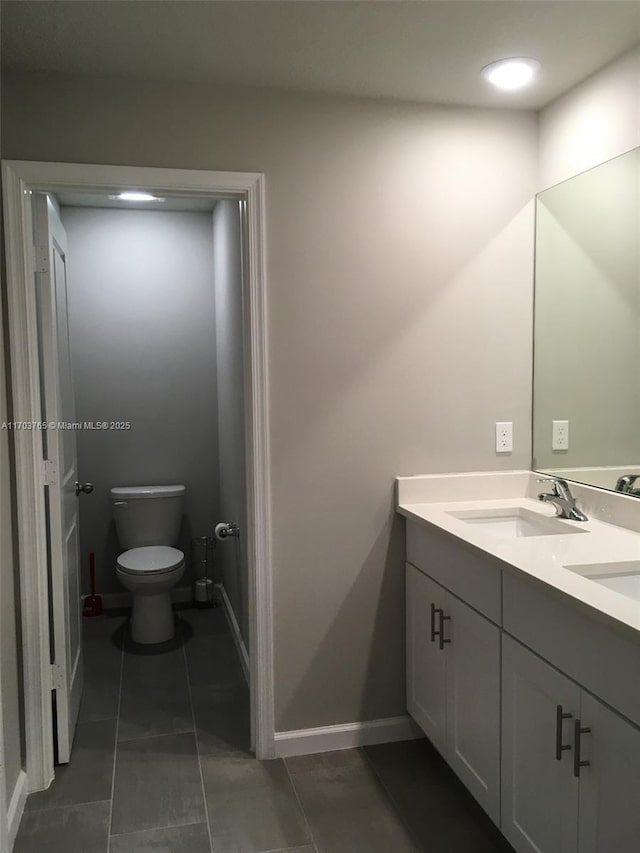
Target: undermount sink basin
<point x="622" y="577"/>
<point x="514" y="522"/>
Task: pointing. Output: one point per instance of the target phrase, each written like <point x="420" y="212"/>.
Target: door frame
<point x="20" y="180"/>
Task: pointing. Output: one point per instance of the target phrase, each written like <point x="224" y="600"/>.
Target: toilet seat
<point x="151" y="560"/>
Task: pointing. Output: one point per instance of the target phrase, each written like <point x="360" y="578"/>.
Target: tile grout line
<point x="391" y="799"/>
<point x="299" y="801"/>
<point x="156" y="829"/>
<point x="65" y="805"/>
<point x="287" y="849"/>
<point x="115" y="748"/>
<point x="195" y="737"/>
<point x="156" y="735"/>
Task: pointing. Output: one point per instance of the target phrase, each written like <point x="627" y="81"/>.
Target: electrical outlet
<point x="560" y="435"/>
<point x="504" y="437"/>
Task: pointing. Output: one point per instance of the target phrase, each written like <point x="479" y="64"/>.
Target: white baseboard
<point x="235" y="629"/>
<point x="345" y="736"/>
<point x="113" y="600"/>
<point x="16" y="807"/>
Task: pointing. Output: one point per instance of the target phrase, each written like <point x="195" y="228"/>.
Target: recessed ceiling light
<point x="135" y="196"/>
<point x="511" y="74"/>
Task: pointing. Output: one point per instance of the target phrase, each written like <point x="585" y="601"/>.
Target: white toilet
<point x="147" y="520"/>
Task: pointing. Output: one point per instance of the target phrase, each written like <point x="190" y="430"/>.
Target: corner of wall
<point x="595" y="121"/>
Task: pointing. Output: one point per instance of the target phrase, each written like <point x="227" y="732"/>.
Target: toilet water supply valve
<point x="225" y="529"/>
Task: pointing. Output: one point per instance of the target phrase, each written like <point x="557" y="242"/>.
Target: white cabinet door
<point x="62" y="500"/>
<point x="473" y="699"/>
<point x="426" y="661"/>
<point x="539" y="790"/>
<point x="610" y="783"/>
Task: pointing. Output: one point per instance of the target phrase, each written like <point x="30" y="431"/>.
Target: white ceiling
<point x="425" y="50"/>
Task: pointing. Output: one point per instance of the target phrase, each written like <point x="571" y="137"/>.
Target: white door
<point x="609" y="784"/>
<point x="62" y="476"/>
<point x="539" y="790"/>
<point x="473" y="691"/>
<point x="426" y="661"/>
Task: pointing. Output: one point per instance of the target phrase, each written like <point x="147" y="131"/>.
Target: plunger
<point x="93" y="602"/>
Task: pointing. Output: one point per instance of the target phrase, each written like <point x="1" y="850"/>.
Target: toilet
<point x="147" y="520"/>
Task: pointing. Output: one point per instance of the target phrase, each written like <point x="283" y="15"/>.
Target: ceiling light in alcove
<point x="511" y="74"/>
<point x="135" y="196"/>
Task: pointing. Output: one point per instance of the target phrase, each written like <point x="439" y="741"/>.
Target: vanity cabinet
<point x="500" y="671"/>
<point x="453" y="683"/>
<point x="570" y="765"/>
<point x="523" y="673"/>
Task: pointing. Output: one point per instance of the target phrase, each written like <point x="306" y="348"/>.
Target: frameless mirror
<point x="586" y="381"/>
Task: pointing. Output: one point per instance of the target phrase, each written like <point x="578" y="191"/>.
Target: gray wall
<point x="10" y="650"/>
<point x="141" y="307"/>
<point x="399" y="264"/>
<point x="231" y="555"/>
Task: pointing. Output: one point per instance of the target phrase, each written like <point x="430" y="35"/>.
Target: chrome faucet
<point x="625" y="484"/>
<point x="562" y="499"/>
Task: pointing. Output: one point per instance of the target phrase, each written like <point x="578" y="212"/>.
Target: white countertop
<point x="540" y="557"/>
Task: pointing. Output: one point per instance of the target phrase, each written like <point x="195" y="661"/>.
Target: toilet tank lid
<point x="130" y="493"/>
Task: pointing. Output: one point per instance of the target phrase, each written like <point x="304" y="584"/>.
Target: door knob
<point x="87" y="488"/>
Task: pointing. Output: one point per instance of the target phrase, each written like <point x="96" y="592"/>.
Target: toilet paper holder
<point x="225" y="529"/>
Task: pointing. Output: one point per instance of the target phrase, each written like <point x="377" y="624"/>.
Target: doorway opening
<point x="77" y="197"/>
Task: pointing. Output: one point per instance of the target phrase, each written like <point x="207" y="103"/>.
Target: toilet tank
<point x="147" y="515"/>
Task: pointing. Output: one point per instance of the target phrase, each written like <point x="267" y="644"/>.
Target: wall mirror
<point x="586" y="382"/>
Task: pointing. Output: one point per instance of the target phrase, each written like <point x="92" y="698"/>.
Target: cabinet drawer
<point x="469" y="574"/>
<point x="595" y="655"/>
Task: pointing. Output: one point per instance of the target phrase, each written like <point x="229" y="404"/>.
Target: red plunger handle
<point x="92" y="571"/>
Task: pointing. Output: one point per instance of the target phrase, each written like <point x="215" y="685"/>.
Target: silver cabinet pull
<point x="87" y="488"/>
<point x="561" y="747"/>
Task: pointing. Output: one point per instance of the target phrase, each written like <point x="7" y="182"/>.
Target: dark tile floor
<point x="161" y="764"/>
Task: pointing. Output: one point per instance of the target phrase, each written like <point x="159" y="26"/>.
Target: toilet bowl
<point x="147" y="520"/>
<point x="149" y="574"/>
